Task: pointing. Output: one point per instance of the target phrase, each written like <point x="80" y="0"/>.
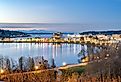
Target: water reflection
<point x="68" y="53"/>
<point x="59" y="52"/>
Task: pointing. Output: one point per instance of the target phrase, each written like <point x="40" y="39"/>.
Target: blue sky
<point x="60" y="11"/>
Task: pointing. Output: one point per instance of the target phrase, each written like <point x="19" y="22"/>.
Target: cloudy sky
<point x="60" y="11"/>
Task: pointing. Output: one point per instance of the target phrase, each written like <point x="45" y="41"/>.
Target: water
<point x="60" y="52"/>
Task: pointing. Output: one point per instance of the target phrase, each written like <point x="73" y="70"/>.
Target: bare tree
<point x="21" y="63"/>
<point x="8" y="65"/>
<point x="31" y="63"/>
<point x="53" y="63"/>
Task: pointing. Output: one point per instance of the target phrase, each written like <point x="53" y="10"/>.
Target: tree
<point x="21" y="63"/>
<point x="31" y="63"/>
<point x="107" y="63"/>
<point x="1" y="62"/>
<point x="8" y="65"/>
<point x="53" y="63"/>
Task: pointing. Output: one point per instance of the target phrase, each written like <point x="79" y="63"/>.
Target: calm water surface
<point x="60" y="52"/>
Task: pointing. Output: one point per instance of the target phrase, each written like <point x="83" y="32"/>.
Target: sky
<point x="60" y="11"/>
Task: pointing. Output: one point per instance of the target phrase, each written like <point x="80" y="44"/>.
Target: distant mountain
<point x="101" y="32"/>
<point x="83" y="33"/>
<point x="35" y="31"/>
<point x="42" y="31"/>
<point x="12" y="34"/>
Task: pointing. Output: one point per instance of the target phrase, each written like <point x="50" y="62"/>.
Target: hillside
<point x="12" y="34"/>
<point x="101" y="32"/>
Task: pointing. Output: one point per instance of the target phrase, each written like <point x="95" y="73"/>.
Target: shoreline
<point x="105" y="43"/>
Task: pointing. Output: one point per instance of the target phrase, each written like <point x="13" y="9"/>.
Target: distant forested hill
<point x="101" y="32"/>
<point x="12" y="34"/>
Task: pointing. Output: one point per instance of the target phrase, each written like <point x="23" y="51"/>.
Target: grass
<point x="69" y="71"/>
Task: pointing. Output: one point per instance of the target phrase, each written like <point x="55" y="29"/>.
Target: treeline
<point x="12" y="34"/>
<point x="24" y="64"/>
<point x="101" y="32"/>
<point x="107" y="62"/>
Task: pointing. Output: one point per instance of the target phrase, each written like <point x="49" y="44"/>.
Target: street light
<point x="97" y="57"/>
<point x="1" y="71"/>
<point x="36" y="67"/>
<point x="64" y="63"/>
<point x="107" y="55"/>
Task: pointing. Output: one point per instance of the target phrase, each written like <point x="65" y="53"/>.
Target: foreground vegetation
<point x="43" y="76"/>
